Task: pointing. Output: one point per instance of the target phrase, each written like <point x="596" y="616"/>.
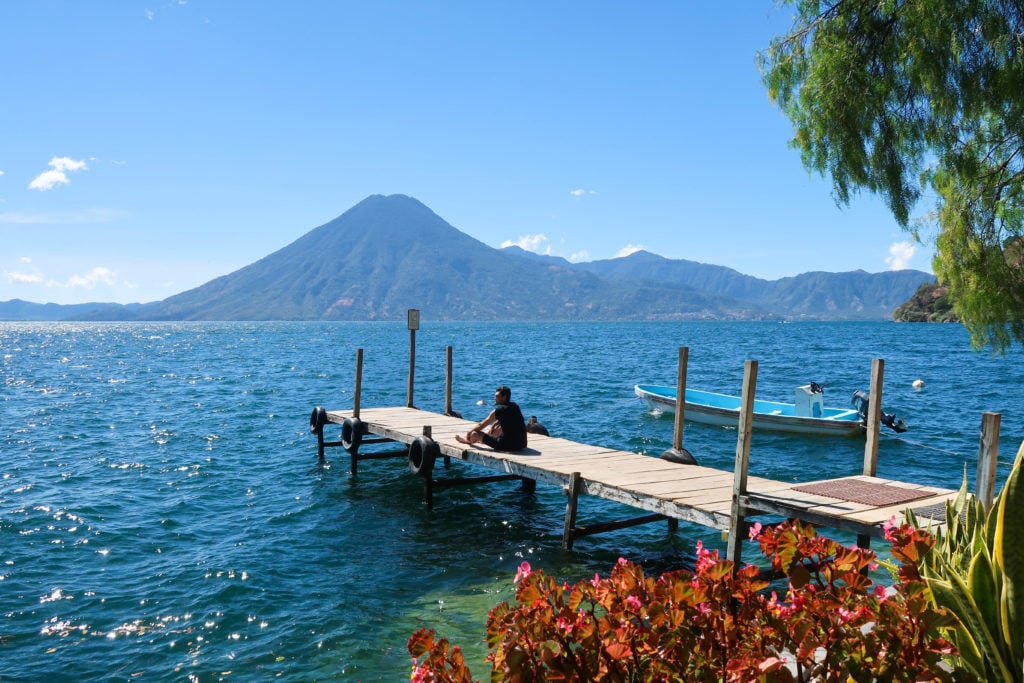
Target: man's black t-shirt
<point x="513" y="428"/>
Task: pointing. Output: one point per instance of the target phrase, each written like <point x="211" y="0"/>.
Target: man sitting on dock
<point x="510" y="434"/>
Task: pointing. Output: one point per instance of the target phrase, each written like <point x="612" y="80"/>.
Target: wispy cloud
<point x="900" y="254"/>
<point x="30" y="275"/>
<point x="580" y="192"/>
<point x="24" y="278"/>
<point x="96" y="276"/>
<point x="538" y="244"/>
<point x="93" y="215"/>
<point x="58" y="173"/>
<point x="579" y="257"/>
<point x="629" y="249"/>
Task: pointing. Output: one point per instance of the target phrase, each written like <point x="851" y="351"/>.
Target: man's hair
<point x="504" y="391"/>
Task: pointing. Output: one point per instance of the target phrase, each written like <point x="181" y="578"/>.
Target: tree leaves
<point x="914" y="99"/>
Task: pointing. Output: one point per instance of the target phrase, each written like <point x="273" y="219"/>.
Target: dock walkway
<point x="691" y="493"/>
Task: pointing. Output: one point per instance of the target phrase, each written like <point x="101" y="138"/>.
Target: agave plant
<point x="976" y="571"/>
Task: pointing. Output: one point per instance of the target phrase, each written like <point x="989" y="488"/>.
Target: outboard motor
<point x="862" y="400"/>
<point x="894" y="423"/>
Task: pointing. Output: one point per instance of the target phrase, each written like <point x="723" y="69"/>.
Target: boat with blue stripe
<point x="806" y="415"/>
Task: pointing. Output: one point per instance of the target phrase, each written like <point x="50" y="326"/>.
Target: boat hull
<point x="722" y="410"/>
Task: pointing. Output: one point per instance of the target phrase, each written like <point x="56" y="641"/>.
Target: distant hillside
<point x="855" y="295"/>
<point x="929" y="304"/>
<point x="16" y="309"/>
<point x="388" y="254"/>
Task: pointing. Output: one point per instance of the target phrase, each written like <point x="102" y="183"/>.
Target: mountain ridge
<point x="390" y="253"/>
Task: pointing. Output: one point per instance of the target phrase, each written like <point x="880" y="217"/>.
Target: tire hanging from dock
<point x="317" y="420"/>
<point x="352" y="434"/>
<point x="423" y="452"/>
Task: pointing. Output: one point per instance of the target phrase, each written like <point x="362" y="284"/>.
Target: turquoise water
<point x="163" y="517"/>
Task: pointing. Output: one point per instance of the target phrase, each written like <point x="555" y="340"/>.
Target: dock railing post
<point x="359" y="383"/>
<point x="677" y="427"/>
<point x="448" y="381"/>
<point x="874" y="417"/>
<point x="988" y="453"/>
<point x="413" y="325"/>
<point x="737" y="523"/>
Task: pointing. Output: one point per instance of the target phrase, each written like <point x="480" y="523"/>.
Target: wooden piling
<point x="737" y="522"/>
<point x="874" y="418"/>
<point x="677" y="427"/>
<point x="988" y="453"/>
<point x="359" y="383"/>
<point x="413" y="323"/>
<point x="572" y="490"/>
<point x="448" y="381"/>
<point x="428" y="482"/>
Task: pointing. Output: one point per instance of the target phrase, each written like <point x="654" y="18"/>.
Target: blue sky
<point x="148" y="148"/>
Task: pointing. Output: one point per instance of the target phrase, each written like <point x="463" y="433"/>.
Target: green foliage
<point x="716" y="624"/>
<point x="930" y="304"/>
<point x="976" y="572"/>
<point x="921" y="97"/>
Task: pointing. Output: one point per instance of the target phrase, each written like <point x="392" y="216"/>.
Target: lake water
<point x="163" y="517"/>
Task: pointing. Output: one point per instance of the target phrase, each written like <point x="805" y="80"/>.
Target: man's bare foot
<point x="462" y="439"/>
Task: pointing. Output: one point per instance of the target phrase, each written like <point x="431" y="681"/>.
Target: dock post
<point x="448" y="382"/>
<point x="988" y="452"/>
<point x="428" y="482"/>
<point x="573" y="491"/>
<point x="873" y="426"/>
<point x="737" y="523"/>
<point x="413" y="325"/>
<point x="359" y="383"/>
<point x="872" y="436"/>
<point x="677" y="426"/>
<point x="874" y="418"/>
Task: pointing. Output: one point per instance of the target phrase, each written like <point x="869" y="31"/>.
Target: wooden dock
<point x="691" y="493"/>
<point x="665" y="490"/>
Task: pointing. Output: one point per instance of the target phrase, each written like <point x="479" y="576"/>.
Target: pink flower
<point x="888" y="528"/>
<point x="705" y="558"/>
<point x="596" y="581"/>
<point x="523" y="572"/>
<point x="754" y="531"/>
<point x="634" y="603"/>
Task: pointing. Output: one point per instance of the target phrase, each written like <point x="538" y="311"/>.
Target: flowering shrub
<point x="716" y="623"/>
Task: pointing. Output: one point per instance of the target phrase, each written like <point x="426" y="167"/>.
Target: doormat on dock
<point x="863" y="492"/>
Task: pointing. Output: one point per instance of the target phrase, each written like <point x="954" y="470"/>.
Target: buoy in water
<point x="918" y="384"/>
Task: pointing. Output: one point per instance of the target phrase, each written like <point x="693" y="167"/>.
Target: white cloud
<point x="900" y="254"/>
<point x="33" y="276"/>
<point x="579" y="256"/>
<point x="580" y="192"/>
<point x="96" y="276"/>
<point x="1" y="172"/>
<point x="25" y="278"/>
<point x="629" y="249"/>
<point x="530" y="243"/>
<point x="58" y="173"/>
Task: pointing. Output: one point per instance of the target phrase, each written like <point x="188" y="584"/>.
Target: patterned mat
<point x="863" y="492"/>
